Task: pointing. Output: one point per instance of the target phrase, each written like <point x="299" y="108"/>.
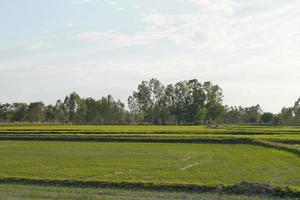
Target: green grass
<point x="148" y="137"/>
<point x="102" y="128"/>
<point x="273" y="133"/>
<point x="26" y="192"/>
<point x="273" y="160"/>
<point x="296" y="146"/>
<point x="159" y="129"/>
<point x="202" y="164"/>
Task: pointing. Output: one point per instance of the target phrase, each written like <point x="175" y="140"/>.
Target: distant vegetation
<point x="186" y="102"/>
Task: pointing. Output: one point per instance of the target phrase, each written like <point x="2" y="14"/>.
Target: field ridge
<point x="244" y="187"/>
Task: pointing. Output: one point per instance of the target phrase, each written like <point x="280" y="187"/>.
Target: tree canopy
<point x="185" y="102"/>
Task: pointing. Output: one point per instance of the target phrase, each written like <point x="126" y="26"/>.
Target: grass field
<point x="67" y="193"/>
<point x="202" y="164"/>
<point x="228" y="129"/>
<point x="145" y="157"/>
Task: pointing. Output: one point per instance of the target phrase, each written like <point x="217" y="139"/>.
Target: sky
<point x="250" y="48"/>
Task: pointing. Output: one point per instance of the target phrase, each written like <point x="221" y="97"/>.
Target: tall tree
<point x="150" y="101"/>
<point x="49" y="113"/>
<point x="213" y="103"/>
<point x="6" y="112"/>
<point x="267" y="117"/>
<point x="19" y="112"/>
<point x="92" y="111"/>
<point x="187" y="102"/>
<point x="36" y="112"/>
<point x="296" y="110"/>
<point x="60" y="113"/>
<point x="234" y="115"/>
<point x="253" y="114"/>
<point x="75" y="107"/>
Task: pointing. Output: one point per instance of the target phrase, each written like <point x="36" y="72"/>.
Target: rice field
<point x="159" y="158"/>
<point x="26" y="192"/>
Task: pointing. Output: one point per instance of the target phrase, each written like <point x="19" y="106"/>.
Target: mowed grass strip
<point x="159" y="163"/>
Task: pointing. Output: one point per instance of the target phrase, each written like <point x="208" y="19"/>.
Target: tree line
<point x="73" y="109"/>
<point x="186" y="102"/>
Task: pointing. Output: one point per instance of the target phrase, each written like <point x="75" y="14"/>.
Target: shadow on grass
<point x="245" y="188"/>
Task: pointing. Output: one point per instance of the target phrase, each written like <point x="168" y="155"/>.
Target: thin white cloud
<point x="120" y="8"/>
<point x="110" y="2"/>
<point x="114" y="4"/>
<point x="215" y="32"/>
<point x="137" y="7"/>
<point x="71" y="24"/>
<point x="87" y="1"/>
<point x="115" y="38"/>
<point x="211" y="6"/>
<point x="41" y="45"/>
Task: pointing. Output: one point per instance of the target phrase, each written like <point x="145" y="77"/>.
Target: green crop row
<point x="161" y="129"/>
<point x="203" y="164"/>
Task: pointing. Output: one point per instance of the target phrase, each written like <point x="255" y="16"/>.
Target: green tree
<point x="6" y="112"/>
<point x="185" y="100"/>
<point x="233" y="115"/>
<point x="202" y="112"/>
<point x="110" y="111"/>
<point x="150" y="100"/>
<point x="176" y="103"/>
<point x="92" y="111"/>
<point x="213" y="103"/>
<point x="253" y="114"/>
<point x="75" y="108"/>
<point x="49" y="113"/>
<point x="19" y="112"/>
<point x="296" y="110"/>
<point x="286" y="116"/>
<point x="59" y="112"/>
<point x="267" y="117"/>
<point x="36" y="112"/>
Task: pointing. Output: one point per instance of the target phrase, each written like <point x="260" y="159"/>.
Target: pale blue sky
<point x="251" y="48"/>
